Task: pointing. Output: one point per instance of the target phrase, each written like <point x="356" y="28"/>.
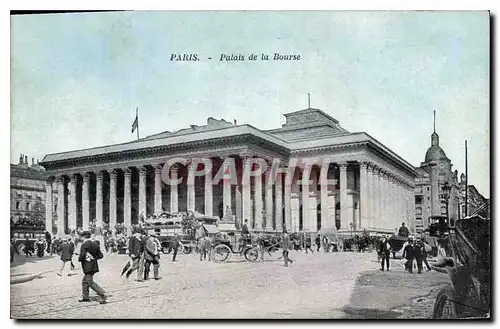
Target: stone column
<point x="326" y="221"/>
<point x="226" y="189"/>
<point x="98" y="200"/>
<point x="258" y="202"/>
<point x="86" y="202"/>
<point x="268" y="225"/>
<point x="72" y="203"/>
<point x="344" y="211"/>
<point x="48" y="205"/>
<point x="245" y="191"/>
<point x="371" y="195"/>
<point x="392" y="203"/>
<point x="127" y="200"/>
<point x="174" y="196"/>
<point x="158" y="195"/>
<point x="306" y="174"/>
<point x="60" y="205"/>
<point x="209" y="203"/>
<point x="112" y="200"/>
<point x="142" y="192"/>
<point x="279" y="202"/>
<point x="287" y="200"/>
<point x="364" y="195"/>
<point x="376" y="198"/>
<point x="190" y="198"/>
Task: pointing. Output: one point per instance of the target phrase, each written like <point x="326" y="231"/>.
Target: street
<point x="341" y="285"/>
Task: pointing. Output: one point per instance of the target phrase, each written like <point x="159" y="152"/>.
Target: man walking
<point x="174" y="244"/>
<point x="135" y="250"/>
<point x="67" y="251"/>
<point x="384" y="252"/>
<point x="90" y="253"/>
<point x="318" y="242"/>
<point x="286" y="247"/>
<point x="409" y="254"/>
<point x="308" y="244"/>
<point x="152" y="256"/>
<point x="48" y="238"/>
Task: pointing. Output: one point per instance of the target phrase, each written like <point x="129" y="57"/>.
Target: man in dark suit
<point x="384" y="250"/>
<point x="409" y="254"/>
<point x="48" y="238"/>
<point x="90" y="253"/>
<point x="174" y="244"/>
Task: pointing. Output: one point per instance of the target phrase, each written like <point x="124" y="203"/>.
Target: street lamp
<point x="446" y="193"/>
<point x="351" y="224"/>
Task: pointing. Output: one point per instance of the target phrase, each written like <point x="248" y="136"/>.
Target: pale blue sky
<point x="77" y="78"/>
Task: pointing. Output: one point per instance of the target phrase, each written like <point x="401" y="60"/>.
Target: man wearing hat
<point x="90" y="253"/>
<point x="403" y="231"/>
<point x="136" y="250"/>
<point x="152" y="256"/>
<point x="67" y="250"/>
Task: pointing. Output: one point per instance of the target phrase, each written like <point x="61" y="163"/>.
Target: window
<point x="27" y="206"/>
<point x="18" y="204"/>
<point x="418" y="199"/>
<point x="428" y="188"/>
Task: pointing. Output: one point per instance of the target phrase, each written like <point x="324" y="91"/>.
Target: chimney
<point x="32" y="161"/>
<point x="235" y="122"/>
<point x="21" y="158"/>
<point x="26" y="159"/>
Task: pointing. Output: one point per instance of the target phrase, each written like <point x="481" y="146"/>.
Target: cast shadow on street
<point x="396" y="294"/>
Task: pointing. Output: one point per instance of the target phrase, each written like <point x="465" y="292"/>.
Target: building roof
<point x="435" y="153"/>
<point x="331" y="135"/>
<point x="22" y="171"/>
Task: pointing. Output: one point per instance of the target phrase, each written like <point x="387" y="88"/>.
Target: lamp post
<point x="446" y="193"/>
<point x="351" y="224"/>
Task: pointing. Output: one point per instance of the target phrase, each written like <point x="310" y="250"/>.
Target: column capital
<point x="370" y="167"/>
<point x="127" y="172"/>
<point x="245" y="155"/>
<point x="50" y="179"/>
<point x="158" y="168"/>
<point x="86" y="177"/>
<point x="364" y="164"/>
<point x="142" y="170"/>
<point x="60" y="179"/>
<point x="99" y="175"/>
<point x="175" y="168"/>
<point x="342" y="166"/>
<point x="112" y="174"/>
<point x="208" y="165"/>
<point x="74" y="179"/>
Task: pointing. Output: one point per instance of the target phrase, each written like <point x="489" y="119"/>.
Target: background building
<point x="27" y="192"/>
<point x="435" y="174"/>
<point x="475" y="200"/>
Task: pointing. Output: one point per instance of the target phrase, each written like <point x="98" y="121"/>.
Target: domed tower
<point x="438" y="165"/>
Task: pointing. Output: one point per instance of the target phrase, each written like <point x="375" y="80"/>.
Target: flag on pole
<point x="135" y="125"/>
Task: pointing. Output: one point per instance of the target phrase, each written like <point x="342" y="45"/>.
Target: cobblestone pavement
<point x="320" y="285"/>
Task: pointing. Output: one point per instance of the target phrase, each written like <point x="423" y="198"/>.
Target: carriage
<point x="228" y="245"/>
<point x="464" y="252"/>
<point x="166" y="227"/>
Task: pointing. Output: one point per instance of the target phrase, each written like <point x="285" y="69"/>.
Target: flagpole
<point x="137" y="116"/>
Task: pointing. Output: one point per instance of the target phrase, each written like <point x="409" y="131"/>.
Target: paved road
<point x="320" y="285"/>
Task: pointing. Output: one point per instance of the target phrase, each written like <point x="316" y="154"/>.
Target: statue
<point x="228" y="215"/>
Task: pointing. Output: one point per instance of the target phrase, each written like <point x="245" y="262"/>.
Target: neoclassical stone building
<point x="369" y="186"/>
